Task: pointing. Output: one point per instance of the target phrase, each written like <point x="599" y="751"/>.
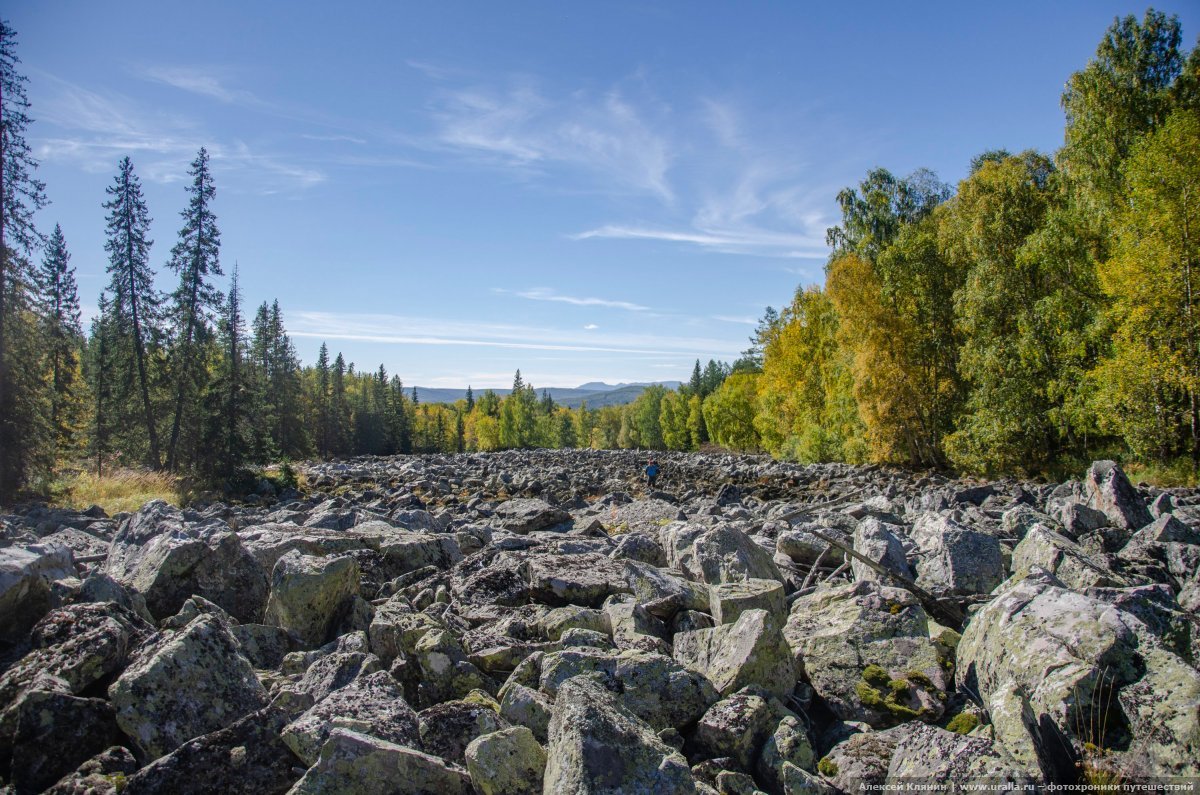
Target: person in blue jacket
<point x="652" y="471"/>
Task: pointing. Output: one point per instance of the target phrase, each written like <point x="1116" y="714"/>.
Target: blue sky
<point x="586" y="191"/>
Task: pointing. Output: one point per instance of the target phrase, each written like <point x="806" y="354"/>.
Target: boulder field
<point x="538" y="621"/>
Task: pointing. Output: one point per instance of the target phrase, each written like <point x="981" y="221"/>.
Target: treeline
<point x="1043" y="311"/>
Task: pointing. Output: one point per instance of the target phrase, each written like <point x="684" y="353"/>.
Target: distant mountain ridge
<point x="594" y="393"/>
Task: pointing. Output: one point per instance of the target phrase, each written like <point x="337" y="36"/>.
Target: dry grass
<point x="117" y="490"/>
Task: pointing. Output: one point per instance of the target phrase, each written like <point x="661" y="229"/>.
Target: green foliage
<point x="729" y="413"/>
<point x="1150" y="382"/>
<point x="963" y="723"/>
<point x="827" y="767"/>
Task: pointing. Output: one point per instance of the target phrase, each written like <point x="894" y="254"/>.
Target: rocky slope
<point x="537" y="622"/>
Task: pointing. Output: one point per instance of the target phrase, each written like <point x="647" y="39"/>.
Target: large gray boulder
<point x="598" y="746"/>
<point x="528" y="515"/>
<point x="310" y="596"/>
<point x="955" y="558"/>
<point x="244" y="758"/>
<point x="373" y="704"/>
<point x="26" y="576"/>
<point x="507" y="762"/>
<point x="1084" y="663"/>
<point x="189" y="683"/>
<point x="717" y="555"/>
<point x="1045" y="550"/>
<point x="55" y="733"/>
<point x="1110" y="492"/>
<point x="167" y="560"/>
<point x="353" y="762"/>
<point x="750" y="651"/>
<point x="878" y="542"/>
<point x="585" y="580"/>
<point x="866" y="650"/>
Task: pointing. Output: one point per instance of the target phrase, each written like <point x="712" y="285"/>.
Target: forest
<point x="1040" y="313"/>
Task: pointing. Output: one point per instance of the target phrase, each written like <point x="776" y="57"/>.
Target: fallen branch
<point x="948" y="614"/>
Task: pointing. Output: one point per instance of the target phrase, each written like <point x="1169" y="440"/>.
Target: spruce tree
<point x="136" y="305"/>
<point x="62" y="339"/>
<point x="101" y="374"/>
<point x="470" y="398"/>
<point x="321" y="401"/>
<point x="339" y="408"/>
<point x="195" y="258"/>
<point x="230" y="417"/>
<point x="22" y="420"/>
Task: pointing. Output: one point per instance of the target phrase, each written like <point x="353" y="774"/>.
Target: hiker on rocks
<point x="652" y="471"/>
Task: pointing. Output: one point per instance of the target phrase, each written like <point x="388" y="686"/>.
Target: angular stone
<point x="876" y="541"/>
<point x="524" y="706"/>
<point x="729" y="600"/>
<point x="736" y="727"/>
<point x="585" y="580"/>
<point x="750" y="651"/>
<point x="957" y="559"/>
<point x="1109" y="491"/>
<point x="245" y="758"/>
<point x="372" y="704"/>
<point x="365" y="765"/>
<point x="786" y="750"/>
<point x="447" y="729"/>
<point x="855" y="641"/>
<point x="597" y="746"/>
<point x="713" y="556"/>
<point x="99" y="775"/>
<point x="1046" y="550"/>
<point x="56" y="733"/>
<point x="528" y="515"/>
<point x="189" y="683"/>
<point x="310" y="596"/>
<point x="507" y="762"/>
<point x="26" y="575"/>
<point x="168" y="560"/>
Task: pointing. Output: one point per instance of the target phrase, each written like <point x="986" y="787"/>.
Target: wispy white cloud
<point x="591" y="326"/>
<point x="606" y="136"/>
<point x="205" y="81"/>
<point x="546" y="294"/>
<point x="94" y="130"/>
<point x="748" y="321"/>
<point x="406" y="330"/>
<point x="746" y="240"/>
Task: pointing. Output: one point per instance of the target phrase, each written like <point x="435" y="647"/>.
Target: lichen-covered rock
<point x="352" y="762"/>
<point x="446" y="673"/>
<point x="878" y="542"/>
<point x="245" y="758"/>
<point x="189" y="683"/>
<point x="507" y="762"/>
<point x="1044" y="549"/>
<point x="334" y="671"/>
<point x="55" y="733"/>
<point x="785" y="752"/>
<point x="524" y="706"/>
<point x="1084" y="662"/>
<point x="407" y="551"/>
<point x="561" y="619"/>
<point x="866" y="650"/>
<point x="167" y="560"/>
<point x="598" y="746"/>
<point x="634" y="628"/>
<point x="310" y="596"/>
<point x="730" y="599"/>
<point x="99" y="775"/>
<point x="1109" y="491"/>
<point x="585" y="580"/>
<point x="659" y="690"/>
<point x="528" y="515"/>
<point x="956" y="559"/>
<point x="373" y="704"/>
<point x="26" y="576"/>
<point x="750" y="651"/>
<point x="716" y="555"/>
<point x="447" y="729"/>
<point x="74" y="648"/>
<point x="395" y="629"/>
<point x="736" y="727"/>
